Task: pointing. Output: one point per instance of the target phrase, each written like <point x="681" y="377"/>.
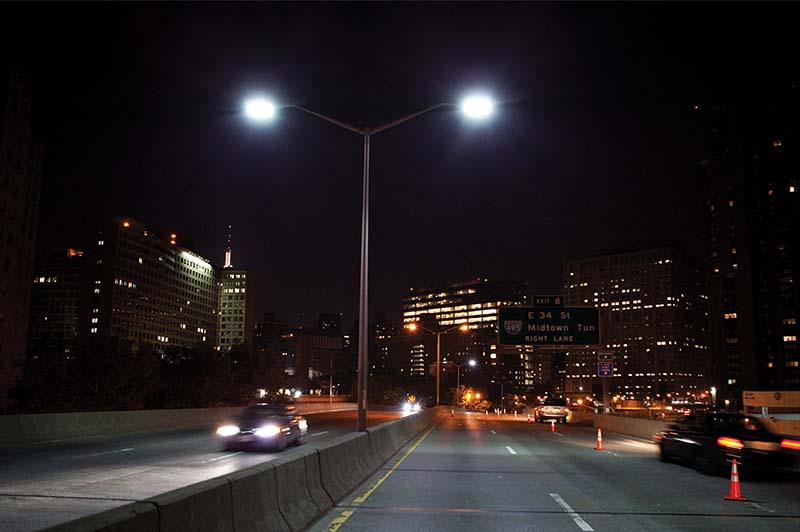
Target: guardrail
<point x="30" y="428"/>
<point x="283" y="495"/>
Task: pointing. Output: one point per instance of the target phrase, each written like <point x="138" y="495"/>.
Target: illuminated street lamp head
<point x="259" y="109"/>
<point x="472" y="362"/>
<point x="477" y="106"/>
<point x="411" y="326"/>
<point x="464" y="327"/>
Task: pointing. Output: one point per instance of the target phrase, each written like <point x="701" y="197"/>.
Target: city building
<point x="20" y="183"/>
<point x="446" y="306"/>
<point x="653" y="312"/>
<point x="147" y="289"/>
<point x="236" y="305"/>
<point x="58" y="297"/>
<point x="752" y="173"/>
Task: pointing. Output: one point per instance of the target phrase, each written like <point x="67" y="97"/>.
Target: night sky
<point x="592" y="148"/>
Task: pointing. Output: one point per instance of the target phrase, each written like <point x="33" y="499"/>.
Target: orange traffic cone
<point x="552" y="425"/>
<point x="529" y="418"/>
<point x="735" y="493"/>
<point x="599" y="446"/>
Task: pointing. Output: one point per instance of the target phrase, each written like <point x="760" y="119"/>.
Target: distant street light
<point x="413" y="327"/>
<point x="458" y="371"/>
<point x="262" y="110"/>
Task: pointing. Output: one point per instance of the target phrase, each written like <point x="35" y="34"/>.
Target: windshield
<point x="555" y="401"/>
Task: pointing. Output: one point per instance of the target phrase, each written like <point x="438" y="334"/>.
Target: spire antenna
<point x="228" y="263"/>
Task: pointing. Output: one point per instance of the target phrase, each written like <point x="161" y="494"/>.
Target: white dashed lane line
<point x="583" y="525"/>
<point x="223" y="457"/>
<point x="319" y="433"/>
<point x="127" y="449"/>
<point x="512" y="451"/>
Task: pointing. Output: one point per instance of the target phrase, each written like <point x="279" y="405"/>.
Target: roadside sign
<point x="605" y="369"/>
<point x="548" y="301"/>
<point x="548" y="326"/>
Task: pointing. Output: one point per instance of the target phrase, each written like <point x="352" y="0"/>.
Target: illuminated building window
<point x="791" y="338"/>
<point x="731" y="316"/>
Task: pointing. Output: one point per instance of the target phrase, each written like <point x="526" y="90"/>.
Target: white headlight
<point x="417" y="407"/>
<point x="228" y="430"/>
<point x="268" y="431"/>
<point x="406" y="407"/>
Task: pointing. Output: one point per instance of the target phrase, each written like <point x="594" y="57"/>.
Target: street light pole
<point x="458" y="371"/>
<point x="260" y="109"/>
<point x="462" y="326"/>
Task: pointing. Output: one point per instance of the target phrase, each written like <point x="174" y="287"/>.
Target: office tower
<point x="148" y="289"/>
<point x="59" y="296"/>
<point x="474" y="303"/>
<point x="752" y="172"/>
<point x="653" y="317"/>
<point x="20" y="179"/>
<point x="236" y="306"/>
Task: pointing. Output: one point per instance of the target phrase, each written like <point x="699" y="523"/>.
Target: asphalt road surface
<point x="475" y="473"/>
<point x="46" y="484"/>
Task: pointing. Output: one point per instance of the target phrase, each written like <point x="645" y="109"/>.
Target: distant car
<point x="264" y="426"/>
<point x="553" y="408"/>
<point x="708" y="441"/>
<point x="411" y="406"/>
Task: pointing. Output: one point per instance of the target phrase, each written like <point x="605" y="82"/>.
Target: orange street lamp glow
<point x="478" y="396"/>
<point x="411" y="326"/>
<point x="464" y="327"/>
<point x="126" y="224"/>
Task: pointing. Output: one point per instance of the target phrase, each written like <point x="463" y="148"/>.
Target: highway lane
<point x="50" y="483"/>
<point x="477" y="473"/>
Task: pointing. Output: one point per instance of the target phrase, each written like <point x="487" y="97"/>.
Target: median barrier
<point x="294" y="499"/>
<point x="203" y="507"/>
<point x="29" y="428"/>
<point x="284" y="495"/>
<point x="314" y="482"/>
<point x="254" y="492"/>
<point x="133" y="517"/>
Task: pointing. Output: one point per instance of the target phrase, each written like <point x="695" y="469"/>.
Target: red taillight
<point x="730" y="443"/>
<point x="791" y="444"/>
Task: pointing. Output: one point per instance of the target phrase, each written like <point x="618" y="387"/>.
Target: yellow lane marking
<point x="345" y="515"/>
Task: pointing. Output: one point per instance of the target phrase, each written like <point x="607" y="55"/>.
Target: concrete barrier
<point x="335" y="461"/>
<point x="314" y="480"/>
<point x="285" y="495"/>
<point x="294" y="499"/>
<point x="203" y="507"/>
<point x="28" y="428"/>
<point x="255" y="500"/>
<point x="134" y="517"/>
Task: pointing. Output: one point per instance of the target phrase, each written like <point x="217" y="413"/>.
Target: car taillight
<point x="730" y="443"/>
<point x="791" y="444"/>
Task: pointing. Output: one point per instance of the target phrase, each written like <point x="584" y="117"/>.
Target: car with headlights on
<point x="264" y="426"/>
<point x="708" y="441"/>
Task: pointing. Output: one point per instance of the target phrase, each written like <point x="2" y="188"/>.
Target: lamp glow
<point x="259" y="109"/>
<point x="472" y="362"/>
<point x="228" y="430"/>
<point x="477" y="107"/>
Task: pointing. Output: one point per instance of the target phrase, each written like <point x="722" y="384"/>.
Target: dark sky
<point x="591" y="149"/>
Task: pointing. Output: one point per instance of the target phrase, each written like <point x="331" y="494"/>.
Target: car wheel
<point x="300" y="440"/>
<point x="705" y="464"/>
<point x="664" y="455"/>
<point x="230" y="447"/>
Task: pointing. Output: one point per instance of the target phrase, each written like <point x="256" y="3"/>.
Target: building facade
<point x="475" y="303"/>
<point x="147" y="289"/>
<point x="752" y="173"/>
<point x="58" y="297"/>
<point x="20" y="183"/>
<point x="653" y="318"/>
<point x="236" y="309"/>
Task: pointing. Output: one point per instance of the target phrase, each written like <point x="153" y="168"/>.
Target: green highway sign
<point x="549" y="326"/>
